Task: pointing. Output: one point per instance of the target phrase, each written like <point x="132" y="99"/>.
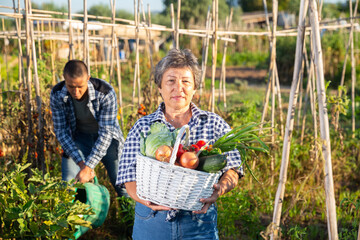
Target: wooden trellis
<point x="211" y="31"/>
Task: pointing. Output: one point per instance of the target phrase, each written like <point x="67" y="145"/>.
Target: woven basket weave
<point x="170" y="185"/>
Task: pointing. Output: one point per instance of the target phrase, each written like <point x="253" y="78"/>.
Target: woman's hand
<point x="212" y="199"/>
<point x="154" y="206"/>
<point x="131" y="190"/>
<point x="226" y="183"/>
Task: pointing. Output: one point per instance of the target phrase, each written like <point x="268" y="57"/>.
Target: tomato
<point x="180" y="151"/>
<point x="194" y="148"/>
<point x="201" y="143"/>
<point x="189" y="160"/>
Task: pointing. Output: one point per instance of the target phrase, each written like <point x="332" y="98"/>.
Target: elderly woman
<point x="177" y="76"/>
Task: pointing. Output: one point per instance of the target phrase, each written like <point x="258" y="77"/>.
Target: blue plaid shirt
<point x="203" y="126"/>
<point x="103" y="106"/>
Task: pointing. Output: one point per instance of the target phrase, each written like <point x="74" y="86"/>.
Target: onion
<point x="163" y="153"/>
<point x="189" y="160"/>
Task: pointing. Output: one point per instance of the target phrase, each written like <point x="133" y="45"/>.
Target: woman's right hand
<point x="131" y="190"/>
<point x="155" y="206"/>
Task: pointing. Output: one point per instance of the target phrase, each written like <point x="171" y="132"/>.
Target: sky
<point x="77" y="5"/>
<point x="128" y="5"/>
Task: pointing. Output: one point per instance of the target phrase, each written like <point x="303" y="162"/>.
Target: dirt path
<point x="242" y="73"/>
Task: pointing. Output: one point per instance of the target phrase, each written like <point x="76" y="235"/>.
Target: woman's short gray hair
<point x="178" y="59"/>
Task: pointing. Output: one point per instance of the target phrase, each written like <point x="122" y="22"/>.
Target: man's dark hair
<point x="75" y="69"/>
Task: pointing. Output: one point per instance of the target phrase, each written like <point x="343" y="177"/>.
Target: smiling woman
<point x="177" y="76"/>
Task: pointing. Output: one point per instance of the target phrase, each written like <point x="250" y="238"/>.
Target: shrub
<point x="41" y="207"/>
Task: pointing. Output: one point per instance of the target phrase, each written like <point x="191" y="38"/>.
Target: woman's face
<point x="177" y="88"/>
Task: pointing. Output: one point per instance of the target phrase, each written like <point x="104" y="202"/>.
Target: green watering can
<point x="98" y="197"/>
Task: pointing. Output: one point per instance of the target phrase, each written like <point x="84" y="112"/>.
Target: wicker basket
<point x="170" y="185"/>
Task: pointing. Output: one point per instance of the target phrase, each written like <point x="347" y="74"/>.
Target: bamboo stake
<point x="52" y="56"/>
<point x="20" y="58"/>
<point x="39" y="41"/>
<point x="272" y="68"/>
<point x="137" y="67"/>
<point x="40" y="132"/>
<point x="118" y="66"/>
<point x="148" y="47"/>
<point x="353" y="76"/>
<point x="273" y="62"/>
<point x="279" y="198"/>
<point x="313" y="100"/>
<point x="301" y="90"/>
<point x="113" y="43"/>
<point x="278" y="90"/>
<point x="223" y="63"/>
<point x="28" y="78"/>
<point x="205" y="50"/>
<point x="137" y="50"/>
<point x="173" y="24"/>
<point x="79" y="43"/>
<point x="214" y="53"/>
<point x="71" y="43"/>
<point x="307" y="91"/>
<point x="178" y="24"/>
<point x="344" y="65"/>
<point x="324" y="124"/>
<point x="151" y="50"/>
<point x="6" y="43"/>
<point x="86" y="38"/>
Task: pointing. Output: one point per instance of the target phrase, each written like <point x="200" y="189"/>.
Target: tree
<point x="254" y="5"/>
<point x="100" y="10"/>
<point x="195" y="11"/>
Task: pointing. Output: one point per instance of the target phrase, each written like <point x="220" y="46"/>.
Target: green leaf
<point x="31" y="188"/>
<point x="22" y="225"/>
<point x="251" y="172"/>
<point x="34" y="227"/>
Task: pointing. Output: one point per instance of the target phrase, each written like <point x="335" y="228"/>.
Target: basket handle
<point x="184" y="129"/>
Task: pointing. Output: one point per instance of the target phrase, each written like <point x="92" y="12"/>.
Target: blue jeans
<point x="85" y="142"/>
<point x="151" y="224"/>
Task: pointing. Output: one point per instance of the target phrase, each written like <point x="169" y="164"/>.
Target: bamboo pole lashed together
<point x="222" y="88"/>
<point x="214" y="52"/>
<point x="173" y="24"/>
<point x="353" y="75"/>
<point x="28" y="82"/>
<point x="344" y="64"/>
<point x="205" y="51"/>
<point x="279" y="197"/>
<point x="324" y="124"/>
<point x="40" y="128"/>
<point x="71" y="41"/>
<point x="113" y="41"/>
<point x="178" y="24"/>
<point x="86" y="38"/>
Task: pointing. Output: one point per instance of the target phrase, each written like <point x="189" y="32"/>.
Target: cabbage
<point x="157" y="127"/>
<point x="159" y="135"/>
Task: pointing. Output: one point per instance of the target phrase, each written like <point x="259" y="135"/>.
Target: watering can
<point x="98" y="198"/>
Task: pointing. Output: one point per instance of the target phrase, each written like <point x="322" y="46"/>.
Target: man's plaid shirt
<point x="203" y="126"/>
<point x="103" y="106"/>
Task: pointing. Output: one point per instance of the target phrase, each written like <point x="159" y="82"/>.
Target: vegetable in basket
<point x="242" y="138"/>
<point x="159" y="135"/>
